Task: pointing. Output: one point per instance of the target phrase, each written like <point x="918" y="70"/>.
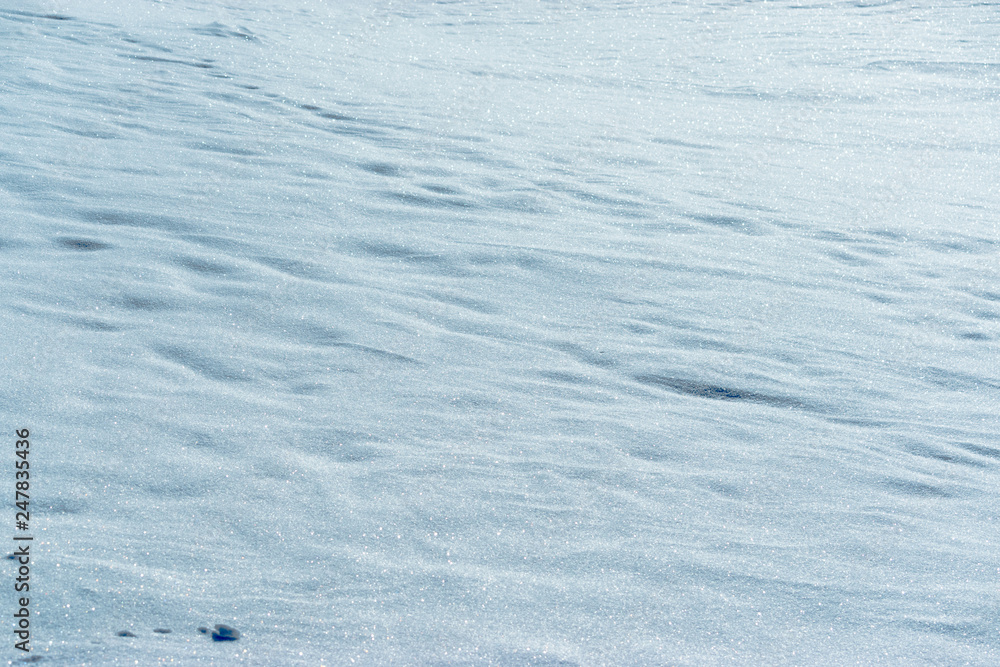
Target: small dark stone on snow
<point x="224" y="633"/>
<point x="126" y="633"/>
<point x="162" y="631"/>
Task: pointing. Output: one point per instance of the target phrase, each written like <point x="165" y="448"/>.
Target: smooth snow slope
<point x="505" y="332"/>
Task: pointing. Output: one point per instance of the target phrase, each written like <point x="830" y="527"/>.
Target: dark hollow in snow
<point x="705" y="390"/>
<point x="163" y="631"/>
<point x="126" y="633"/>
<point x="84" y="245"/>
<point x="224" y="633"/>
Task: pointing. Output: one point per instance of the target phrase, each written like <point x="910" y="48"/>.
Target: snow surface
<point x="508" y="332"/>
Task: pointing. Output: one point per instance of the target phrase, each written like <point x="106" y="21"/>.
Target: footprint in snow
<point x="222" y="633"/>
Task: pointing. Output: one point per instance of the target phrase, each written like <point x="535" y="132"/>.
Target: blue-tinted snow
<point x="505" y="332"/>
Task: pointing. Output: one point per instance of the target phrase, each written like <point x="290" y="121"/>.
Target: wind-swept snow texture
<point x="503" y="333"/>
